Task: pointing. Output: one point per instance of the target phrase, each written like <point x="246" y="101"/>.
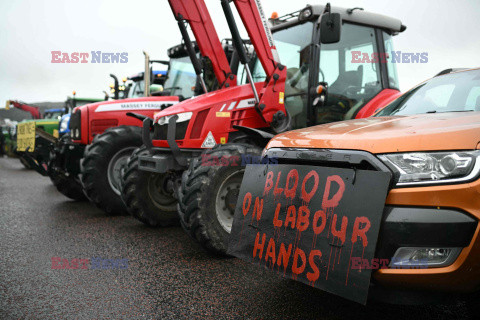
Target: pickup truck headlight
<point x="419" y="168"/>
<point x="185" y="116"/>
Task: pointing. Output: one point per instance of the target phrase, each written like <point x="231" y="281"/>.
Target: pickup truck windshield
<point x="455" y="92"/>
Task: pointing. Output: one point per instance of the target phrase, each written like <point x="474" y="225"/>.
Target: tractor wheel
<point x="69" y="186"/>
<point x="208" y="194"/>
<point x="149" y="196"/>
<point x="103" y="163"/>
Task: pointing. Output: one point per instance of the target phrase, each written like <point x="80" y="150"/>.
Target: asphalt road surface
<point x="168" y="276"/>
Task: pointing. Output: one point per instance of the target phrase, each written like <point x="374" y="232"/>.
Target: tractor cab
<point x="135" y="87"/>
<point x="351" y="71"/>
<point x="54" y="114"/>
<point x="179" y="80"/>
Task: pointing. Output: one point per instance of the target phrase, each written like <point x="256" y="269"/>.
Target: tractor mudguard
<point x="259" y="137"/>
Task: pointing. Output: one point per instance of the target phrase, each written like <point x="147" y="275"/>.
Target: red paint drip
<point x="349" y="261"/>
<point x="328" y="268"/>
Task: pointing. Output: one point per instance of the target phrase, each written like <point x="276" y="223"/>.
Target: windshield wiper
<point x="435" y="111"/>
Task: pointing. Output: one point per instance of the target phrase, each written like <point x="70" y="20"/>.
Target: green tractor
<point x="7" y="138"/>
<point x="36" y="138"/>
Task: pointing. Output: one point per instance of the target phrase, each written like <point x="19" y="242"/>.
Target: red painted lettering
<point x="291" y="215"/>
<point x="276" y="221"/>
<point x="259" y="246"/>
<point x="277" y="190"/>
<point x="268" y="183"/>
<point x="313" y="276"/>
<point x="343" y="229"/>
<point x="307" y="196"/>
<point x="248" y="196"/>
<point x="284" y="255"/>
<point x="258" y="208"/>
<point x="295" y="268"/>
<point x="362" y="233"/>
<point x="303" y="218"/>
<point x="290" y="191"/>
<point x="333" y="202"/>
<point x="320" y="214"/>
<point x="270" y="251"/>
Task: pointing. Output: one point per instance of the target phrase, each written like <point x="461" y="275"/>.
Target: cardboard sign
<point x="26" y="136"/>
<point x="308" y="222"/>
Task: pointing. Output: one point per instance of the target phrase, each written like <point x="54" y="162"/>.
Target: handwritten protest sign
<point x="308" y="222"/>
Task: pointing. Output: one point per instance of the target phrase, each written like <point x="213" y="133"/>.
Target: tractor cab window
<point x="391" y="67"/>
<point x="137" y="90"/>
<point x="351" y="73"/>
<point x="53" y="115"/>
<point x="181" y="78"/>
<point x="293" y="46"/>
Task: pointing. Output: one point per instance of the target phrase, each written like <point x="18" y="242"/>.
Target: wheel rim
<point x="114" y="172"/>
<point x="226" y="199"/>
<point x="158" y="191"/>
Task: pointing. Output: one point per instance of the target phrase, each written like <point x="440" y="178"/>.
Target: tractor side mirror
<point x="330" y="28"/>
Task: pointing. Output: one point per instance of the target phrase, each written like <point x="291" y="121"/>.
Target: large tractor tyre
<point x="208" y="194"/>
<point x="102" y="166"/>
<point x="68" y="185"/>
<point x="149" y="196"/>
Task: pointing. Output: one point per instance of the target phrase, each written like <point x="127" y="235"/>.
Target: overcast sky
<point x="30" y="30"/>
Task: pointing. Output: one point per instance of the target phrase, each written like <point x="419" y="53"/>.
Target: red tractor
<point x="200" y="147"/>
<point x="103" y="135"/>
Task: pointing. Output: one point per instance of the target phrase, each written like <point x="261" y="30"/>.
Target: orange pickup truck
<point x="411" y="172"/>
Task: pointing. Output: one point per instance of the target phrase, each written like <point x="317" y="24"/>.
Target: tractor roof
<point x="354" y="15"/>
<point x="180" y="51"/>
<point x="139" y="76"/>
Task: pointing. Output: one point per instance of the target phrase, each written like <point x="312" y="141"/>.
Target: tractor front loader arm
<point x="195" y="13"/>
<point x="33" y="110"/>
<point x="270" y="100"/>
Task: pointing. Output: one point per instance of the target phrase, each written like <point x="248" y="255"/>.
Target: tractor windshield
<point x="346" y="68"/>
<point x="350" y="71"/>
<point x="137" y="89"/>
<point x="181" y="78"/>
<point x="53" y="115"/>
<point x="454" y="92"/>
<point x="293" y="46"/>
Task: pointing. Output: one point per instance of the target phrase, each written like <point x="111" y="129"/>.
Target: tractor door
<point x="293" y="46"/>
<point x="346" y="68"/>
<point x="354" y="71"/>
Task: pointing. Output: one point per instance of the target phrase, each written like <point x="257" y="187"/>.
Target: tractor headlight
<point x="182" y="117"/>
<point x="419" y="168"/>
<point x="64" y="124"/>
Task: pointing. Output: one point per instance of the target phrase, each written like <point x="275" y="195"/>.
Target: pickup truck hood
<point x="436" y="131"/>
